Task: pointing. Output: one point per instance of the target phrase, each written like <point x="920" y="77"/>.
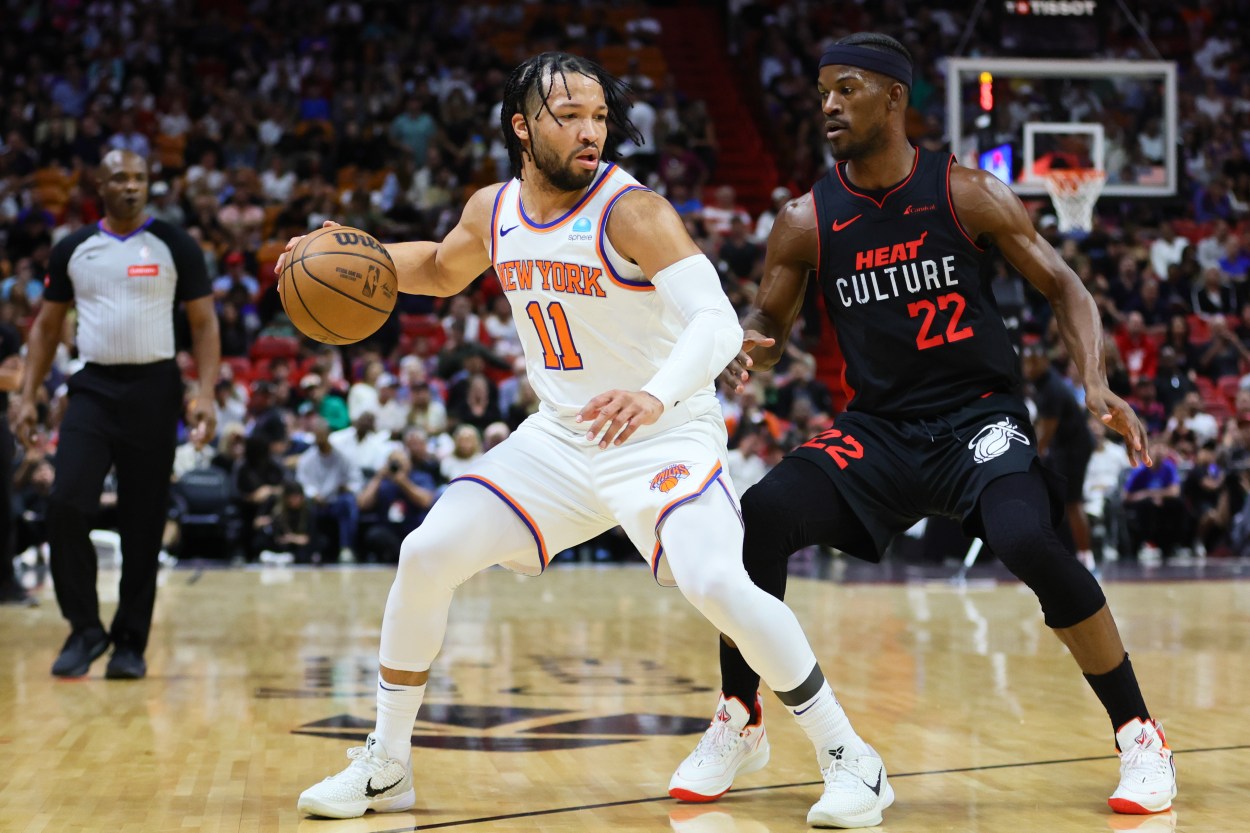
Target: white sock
<point x="828" y="727"/>
<point x="397" y="711"/>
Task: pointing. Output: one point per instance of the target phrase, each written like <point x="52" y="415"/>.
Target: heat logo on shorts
<point x="994" y="440"/>
<point x="667" y="479"/>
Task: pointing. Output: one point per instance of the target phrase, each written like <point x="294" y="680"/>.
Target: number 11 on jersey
<point x="567" y="358"/>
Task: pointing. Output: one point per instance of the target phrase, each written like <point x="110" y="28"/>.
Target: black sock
<point x="1119" y="693"/>
<point x="737" y="679"/>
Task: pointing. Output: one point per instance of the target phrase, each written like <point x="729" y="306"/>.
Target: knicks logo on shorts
<point x="994" y="440"/>
<point x="667" y="479"/>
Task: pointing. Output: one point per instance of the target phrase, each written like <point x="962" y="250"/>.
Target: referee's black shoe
<point x="126" y="664"/>
<point x="81" y="649"/>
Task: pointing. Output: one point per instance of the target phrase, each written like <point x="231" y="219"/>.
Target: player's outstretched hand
<point x="738" y="371"/>
<point x="292" y="243"/>
<point x="1120" y="417"/>
<point x="617" y="414"/>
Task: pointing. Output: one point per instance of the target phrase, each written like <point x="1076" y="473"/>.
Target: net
<point x="1073" y="191"/>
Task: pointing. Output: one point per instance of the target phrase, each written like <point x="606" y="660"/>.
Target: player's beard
<point x="852" y="147"/>
<point x="560" y="172"/>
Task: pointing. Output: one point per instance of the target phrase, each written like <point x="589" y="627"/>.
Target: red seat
<point x="1219" y="410"/>
<point x="415" y="324"/>
<point x="1199" y="329"/>
<point x="272" y="347"/>
<point x="423" y="326"/>
<point x="240" y="367"/>
<point x="1228" y="386"/>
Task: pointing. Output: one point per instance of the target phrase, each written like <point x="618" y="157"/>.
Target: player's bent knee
<point x="761" y="506"/>
<point x="717" y="595"/>
<point x="1027" y="545"/>
<point x="424" y="558"/>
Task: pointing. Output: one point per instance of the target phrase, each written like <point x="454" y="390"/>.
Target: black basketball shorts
<point x="893" y="472"/>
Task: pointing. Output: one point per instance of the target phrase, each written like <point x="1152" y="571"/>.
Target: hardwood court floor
<point x="563" y="703"/>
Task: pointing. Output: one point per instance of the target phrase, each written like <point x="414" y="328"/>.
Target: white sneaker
<point x="1147" y="773"/>
<point x="728" y="748"/>
<point x="278" y="559"/>
<point x="856" y="791"/>
<point x="370" y="782"/>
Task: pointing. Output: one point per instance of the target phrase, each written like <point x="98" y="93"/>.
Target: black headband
<point x="886" y="63"/>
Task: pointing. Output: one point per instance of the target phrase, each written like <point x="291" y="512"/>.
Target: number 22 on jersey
<point x="925" y="307"/>
<point x="567" y="357"/>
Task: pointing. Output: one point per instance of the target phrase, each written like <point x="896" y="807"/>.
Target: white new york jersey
<point x="589" y="320"/>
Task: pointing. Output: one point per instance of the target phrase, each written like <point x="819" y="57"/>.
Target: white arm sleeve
<point x="711" y="338"/>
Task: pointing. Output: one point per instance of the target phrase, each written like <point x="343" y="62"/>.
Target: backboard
<point x="1117" y="116"/>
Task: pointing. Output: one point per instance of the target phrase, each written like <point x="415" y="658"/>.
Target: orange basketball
<point x="339" y="285"/>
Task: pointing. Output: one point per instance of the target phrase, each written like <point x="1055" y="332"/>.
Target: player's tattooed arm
<point x="991" y="213"/>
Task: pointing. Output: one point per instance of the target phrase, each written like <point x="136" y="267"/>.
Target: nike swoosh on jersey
<point x="839" y="226"/>
<point x="503" y="232"/>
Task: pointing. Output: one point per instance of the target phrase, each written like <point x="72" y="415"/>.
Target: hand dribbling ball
<point x="339" y="285"/>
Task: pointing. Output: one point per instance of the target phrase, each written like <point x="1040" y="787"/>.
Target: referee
<point x="126" y="275"/>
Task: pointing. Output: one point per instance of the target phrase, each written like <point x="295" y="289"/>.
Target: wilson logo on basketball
<point x="349" y="238"/>
<point x="144" y="270"/>
<point x="994" y="440"/>
<point x="667" y="479"/>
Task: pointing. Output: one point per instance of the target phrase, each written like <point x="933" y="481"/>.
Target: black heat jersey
<point x="903" y="285"/>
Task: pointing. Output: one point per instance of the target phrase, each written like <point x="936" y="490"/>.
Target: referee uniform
<point x="124" y="406"/>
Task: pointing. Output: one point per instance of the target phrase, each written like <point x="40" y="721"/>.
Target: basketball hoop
<point x="1073" y="191"/>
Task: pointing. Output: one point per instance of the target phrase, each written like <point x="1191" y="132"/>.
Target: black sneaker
<point x="81" y="649"/>
<point x="126" y="664"/>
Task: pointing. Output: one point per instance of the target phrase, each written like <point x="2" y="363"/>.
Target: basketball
<point x="339" y="285"/>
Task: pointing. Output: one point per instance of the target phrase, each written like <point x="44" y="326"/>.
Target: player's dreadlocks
<point x="530" y="86"/>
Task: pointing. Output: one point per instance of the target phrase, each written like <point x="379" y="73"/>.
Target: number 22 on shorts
<point x="837" y="445"/>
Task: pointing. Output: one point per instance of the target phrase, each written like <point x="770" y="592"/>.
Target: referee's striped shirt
<point x="126" y="288"/>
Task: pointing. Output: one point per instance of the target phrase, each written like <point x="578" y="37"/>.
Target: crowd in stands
<point x="261" y="119"/>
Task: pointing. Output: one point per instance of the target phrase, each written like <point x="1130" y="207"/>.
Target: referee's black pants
<point x="124" y="416"/>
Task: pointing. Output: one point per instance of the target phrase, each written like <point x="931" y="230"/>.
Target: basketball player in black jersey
<point x="936" y="424"/>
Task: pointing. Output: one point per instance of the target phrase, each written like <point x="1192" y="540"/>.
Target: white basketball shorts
<point x="567" y="490"/>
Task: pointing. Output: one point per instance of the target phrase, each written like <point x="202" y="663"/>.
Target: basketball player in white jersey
<point x="624" y="326"/>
